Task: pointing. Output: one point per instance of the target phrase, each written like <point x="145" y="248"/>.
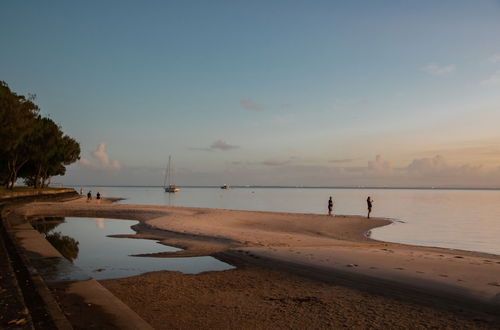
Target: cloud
<point x="438" y="166"/>
<point x="379" y="165"/>
<point x="438" y="70"/>
<point x="85" y="162"/>
<point x="338" y="161"/>
<point x="495" y="58"/>
<point x="428" y="165"/>
<point x="275" y="162"/>
<point x="221" y="145"/>
<point x="494" y="79"/>
<point x="101" y="157"/>
<point x="249" y="104"/>
<point x="217" y="145"/>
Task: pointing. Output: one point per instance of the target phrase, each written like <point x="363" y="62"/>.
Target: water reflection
<point x="66" y="245"/>
<point x="104" y="257"/>
<point x="46" y="224"/>
<point x="99" y="223"/>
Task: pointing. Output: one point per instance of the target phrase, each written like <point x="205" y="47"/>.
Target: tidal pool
<point x="86" y="243"/>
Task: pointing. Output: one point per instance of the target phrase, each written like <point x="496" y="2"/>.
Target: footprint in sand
<point x="458" y="257"/>
<point x="352" y="265"/>
<point x="443" y="275"/>
<point x="420" y="272"/>
<point x="399" y="268"/>
<point x="373" y="268"/>
<point x="494" y="283"/>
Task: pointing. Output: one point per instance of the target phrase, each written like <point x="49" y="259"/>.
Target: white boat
<point x="225" y="186"/>
<point x="167" y="183"/>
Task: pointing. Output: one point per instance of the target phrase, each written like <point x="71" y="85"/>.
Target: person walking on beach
<point x="98" y="197"/>
<point x="330" y="206"/>
<point x="369" y="203"/>
<point x="89" y="196"/>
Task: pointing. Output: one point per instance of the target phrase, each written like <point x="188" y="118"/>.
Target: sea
<point x="465" y="219"/>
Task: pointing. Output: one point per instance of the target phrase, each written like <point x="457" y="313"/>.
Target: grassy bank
<point x="30" y="191"/>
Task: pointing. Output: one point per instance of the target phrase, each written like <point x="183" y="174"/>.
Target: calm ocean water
<point x="458" y="219"/>
<point x="104" y="257"/>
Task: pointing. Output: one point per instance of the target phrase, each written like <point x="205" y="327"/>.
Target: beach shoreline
<point x="331" y="250"/>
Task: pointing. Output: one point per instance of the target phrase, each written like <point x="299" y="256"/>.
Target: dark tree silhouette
<point x="33" y="147"/>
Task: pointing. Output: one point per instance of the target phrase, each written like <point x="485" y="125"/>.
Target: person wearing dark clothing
<point x="89" y="196"/>
<point x="98" y="197"/>
<point x="369" y="203"/>
<point x="330" y="206"/>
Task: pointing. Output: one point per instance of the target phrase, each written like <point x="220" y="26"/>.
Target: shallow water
<point x="459" y="219"/>
<point x="104" y="257"/>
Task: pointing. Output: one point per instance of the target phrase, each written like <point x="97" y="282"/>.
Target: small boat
<point x="167" y="185"/>
<point x="172" y="188"/>
<point x="225" y="186"/>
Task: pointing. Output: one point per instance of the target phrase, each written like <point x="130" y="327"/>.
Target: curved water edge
<point x="103" y="256"/>
<point x="449" y="218"/>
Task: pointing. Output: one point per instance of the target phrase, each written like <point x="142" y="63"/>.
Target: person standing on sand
<point x="330" y="206"/>
<point x="369" y="202"/>
<point x="89" y="196"/>
<point x="98" y="197"/>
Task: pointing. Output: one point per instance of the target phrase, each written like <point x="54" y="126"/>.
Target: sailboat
<point x="167" y="185"/>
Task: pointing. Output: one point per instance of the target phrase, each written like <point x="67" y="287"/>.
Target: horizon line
<point x="293" y="187"/>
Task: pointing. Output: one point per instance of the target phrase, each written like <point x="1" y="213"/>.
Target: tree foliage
<point x="33" y="147"/>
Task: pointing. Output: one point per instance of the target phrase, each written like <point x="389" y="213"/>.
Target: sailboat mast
<point x="169" y="169"/>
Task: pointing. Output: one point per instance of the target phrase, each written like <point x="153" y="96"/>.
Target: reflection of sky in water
<point x="112" y="255"/>
<point x="461" y="219"/>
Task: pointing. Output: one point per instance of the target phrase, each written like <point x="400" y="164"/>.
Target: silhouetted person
<point x="98" y="197"/>
<point x="89" y="196"/>
<point x="369" y="203"/>
<point x="330" y="206"/>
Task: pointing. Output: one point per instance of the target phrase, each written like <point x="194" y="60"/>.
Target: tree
<point x="42" y="146"/>
<point x="50" y="151"/>
<point x="33" y="147"/>
<point x="67" y="152"/>
<point x="17" y="118"/>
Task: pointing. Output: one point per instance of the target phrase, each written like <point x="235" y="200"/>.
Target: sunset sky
<point x="315" y="93"/>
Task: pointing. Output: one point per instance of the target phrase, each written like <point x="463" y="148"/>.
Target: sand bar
<point x="318" y="243"/>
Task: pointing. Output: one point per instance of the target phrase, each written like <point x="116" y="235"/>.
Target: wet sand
<point x="296" y="270"/>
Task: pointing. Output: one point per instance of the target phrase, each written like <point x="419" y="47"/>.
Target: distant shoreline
<point x="296" y="187"/>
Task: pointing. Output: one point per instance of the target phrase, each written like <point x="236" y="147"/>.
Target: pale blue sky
<point x="307" y="92"/>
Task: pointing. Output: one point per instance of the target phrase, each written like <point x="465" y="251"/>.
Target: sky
<point x="306" y="93"/>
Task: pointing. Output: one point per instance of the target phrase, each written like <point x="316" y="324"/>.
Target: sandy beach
<point x="295" y="271"/>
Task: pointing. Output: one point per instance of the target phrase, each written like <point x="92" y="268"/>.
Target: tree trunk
<point x="44" y="178"/>
<point x="14" y="168"/>
<point x="38" y="176"/>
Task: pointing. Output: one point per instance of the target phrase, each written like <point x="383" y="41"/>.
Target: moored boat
<point x="167" y="185"/>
